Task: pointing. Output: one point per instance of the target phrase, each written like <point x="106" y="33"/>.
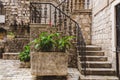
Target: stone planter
<point x="24" y="64"/>
<point x="49" y="63"/>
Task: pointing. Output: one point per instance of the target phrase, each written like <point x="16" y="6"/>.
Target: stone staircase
<point x="13" y="48"/>
<point x="97" y="65"/>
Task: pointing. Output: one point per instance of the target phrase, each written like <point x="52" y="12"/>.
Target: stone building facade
<point x="17" y="19"/>
<point x="97" y="27"/>
<point x="18" y="10"/>
<point x="104" y="28"/>
<point x="15" y="10"/>
<point x="17" y="13"/>
<point x="84" y="18"/>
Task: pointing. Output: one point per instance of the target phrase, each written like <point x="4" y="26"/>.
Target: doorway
<point x="118" y="38"/>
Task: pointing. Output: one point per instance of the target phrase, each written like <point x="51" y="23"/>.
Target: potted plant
<point x="50" y="57"/>
<point x="24" y="57"/>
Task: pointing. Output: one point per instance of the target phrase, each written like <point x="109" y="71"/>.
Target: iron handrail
<point x="61" y="3"/>
<point x="57" y="9"/>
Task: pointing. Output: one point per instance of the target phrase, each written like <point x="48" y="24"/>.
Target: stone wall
<point x="15" y="9"/>
<point x="16" y="45"/>
<point x="19" y="10"/>
<point x="97" y="7"/>
<point x="84" y="19"/>
<point x="102" y="28"/>
<point x="36" y="29"/>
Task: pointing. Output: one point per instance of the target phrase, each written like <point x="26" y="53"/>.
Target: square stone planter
<point x="49" y="63"/>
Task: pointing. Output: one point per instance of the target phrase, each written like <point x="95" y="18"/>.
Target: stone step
<point x="91" y="77"/>
<point x="10" y="56"/>
<point x="94" y="53"/>
<point x="93" y="58"/>
<point x="99" y="71"/>
<point x="95" y="64"/>
<point x="93" y="48"/>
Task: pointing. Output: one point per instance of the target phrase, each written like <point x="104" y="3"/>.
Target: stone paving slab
<point x="9" y="70"/>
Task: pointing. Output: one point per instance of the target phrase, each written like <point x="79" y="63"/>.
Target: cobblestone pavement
<point x="9" y="70"/>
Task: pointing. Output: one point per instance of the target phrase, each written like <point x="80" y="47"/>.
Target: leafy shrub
<point x="25" y="54"/>
<point x="52" y="42"/>
<point x="64" y="43"/>
<point x="10" y="33"/>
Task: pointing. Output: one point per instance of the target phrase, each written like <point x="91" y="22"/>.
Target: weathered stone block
<point x="16" y="45"/>
<point x="10" y="56"/>
<point x="49" y="63"/>
<point x="24" y="64"/>
<point x="36" y="29"/>
<point x="98" y="7"/>
<point x="84" y="19"/>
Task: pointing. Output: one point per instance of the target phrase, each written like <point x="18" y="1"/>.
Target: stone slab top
<point x="10" y="53"/>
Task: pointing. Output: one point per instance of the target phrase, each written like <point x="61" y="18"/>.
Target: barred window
<point x="1" y="8"/>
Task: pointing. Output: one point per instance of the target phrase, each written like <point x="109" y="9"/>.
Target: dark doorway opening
<point x="118" y="39"/>
<point x="3" y="33"/>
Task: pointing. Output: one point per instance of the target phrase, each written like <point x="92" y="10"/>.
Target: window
<point x="1" y="8"/>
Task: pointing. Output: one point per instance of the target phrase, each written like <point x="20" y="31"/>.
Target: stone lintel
<point x="39" y="25"/>
<point x="84" y="11"/>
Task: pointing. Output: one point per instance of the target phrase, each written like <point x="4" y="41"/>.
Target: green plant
<point x="10" y="33"/>
<point x="45" y="42"/>
<point x="52" y="42"/>
<point x="25" y="54"/>
<point x="64" y="43"/>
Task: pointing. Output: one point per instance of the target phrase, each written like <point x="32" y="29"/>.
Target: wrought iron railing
<point x="81" y="4"/>
<point x="69" y="6"/>
<point x="47" y="13"/>
<point x="20" y="30"/>
<point x="66" y="6"/>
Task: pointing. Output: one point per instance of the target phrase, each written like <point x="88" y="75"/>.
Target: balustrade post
<point x="82" y="3"/>
<point x="74" y="4"/>
<point x="87" y="4"/>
